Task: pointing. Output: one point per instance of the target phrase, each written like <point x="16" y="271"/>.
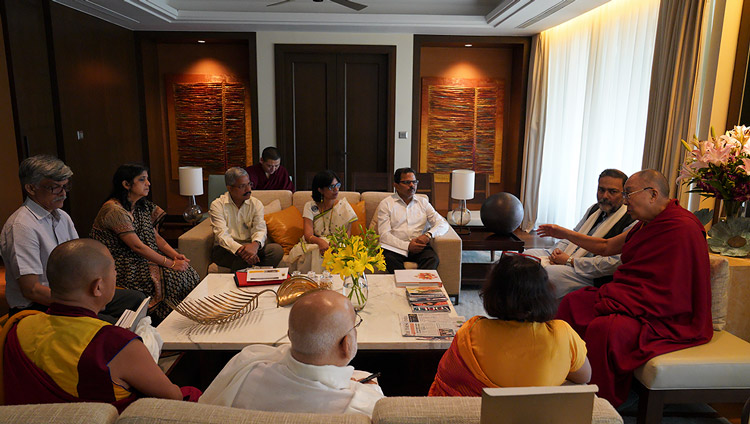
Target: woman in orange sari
<point x="521" y="344"/>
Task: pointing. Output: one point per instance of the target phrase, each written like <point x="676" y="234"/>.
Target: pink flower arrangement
<point x="720" y="166"/>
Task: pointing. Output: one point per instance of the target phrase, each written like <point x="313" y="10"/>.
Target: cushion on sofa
<point x="458" y="410"/>
<point x="720" y="363"/>
<point x="719" y="291"/>
<point x="285" y="227"/>
<point x="359" y="209"/>
<point x="63" y="413"/>
<point x="150" y="410"/>
<point x="273" y="207"/>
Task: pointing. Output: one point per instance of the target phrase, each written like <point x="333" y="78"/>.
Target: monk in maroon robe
<point x="68" y="354"/>
<point x="268" y="174"/>
<point x="659" y="300"/>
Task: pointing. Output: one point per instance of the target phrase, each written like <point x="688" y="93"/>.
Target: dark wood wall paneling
<point x="514" y="119"/>
<point x="73" y="72"/>
<point x="98" y="95"/>
<point x="163" y="53"/>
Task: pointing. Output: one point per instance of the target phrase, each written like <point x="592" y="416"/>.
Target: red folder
<point x="240" y="278"/>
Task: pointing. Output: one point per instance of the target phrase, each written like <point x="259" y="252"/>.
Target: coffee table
<point x="268" y="324"/>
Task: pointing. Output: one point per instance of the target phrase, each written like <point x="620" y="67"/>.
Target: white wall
<point x="404" y="43"/>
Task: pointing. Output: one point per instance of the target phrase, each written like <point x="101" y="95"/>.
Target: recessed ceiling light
<point x="467" y="45"/>
<point x="202" y="41"/>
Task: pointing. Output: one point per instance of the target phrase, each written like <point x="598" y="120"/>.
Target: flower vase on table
<point x="720" y="167"/>
<point x="349" y="257"/>
<point x="355" y="288"/>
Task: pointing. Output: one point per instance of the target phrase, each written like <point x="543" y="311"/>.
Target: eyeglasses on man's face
<point x="409" y="182"/>
<point x="626" y="194"/>
<point x="357" y="321"/>
<point x="58" y="189"/>
<point x="334" y="186"/>
<point x="512" y="253"/>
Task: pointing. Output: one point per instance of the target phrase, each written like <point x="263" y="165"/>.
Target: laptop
<point x="569" y="404"/>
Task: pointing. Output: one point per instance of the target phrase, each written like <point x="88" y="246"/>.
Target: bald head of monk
<point x="322" y="329"/>
<point x="82" y="273"/>
<point x="647" y="194"/>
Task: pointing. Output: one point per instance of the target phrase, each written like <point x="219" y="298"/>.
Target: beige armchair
<point x="718" y="371"/>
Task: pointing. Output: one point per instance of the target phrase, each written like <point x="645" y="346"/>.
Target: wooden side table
<point x="173" y="227"/>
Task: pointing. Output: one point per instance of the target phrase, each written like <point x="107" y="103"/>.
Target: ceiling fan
<point x="347" y="3"/>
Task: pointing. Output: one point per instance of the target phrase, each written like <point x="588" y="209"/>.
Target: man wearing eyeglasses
<point x="312" y="375"/>
<point x="34" y="230"/>
<point x="570" y="266"/>
<point x="239" y="227"/>
<point x="659" y="300"/>
<point x="407" y="224"/>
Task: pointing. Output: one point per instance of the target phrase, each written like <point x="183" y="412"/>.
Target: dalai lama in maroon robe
<point x="268" y="174"/>
<point x="660" y="298"/>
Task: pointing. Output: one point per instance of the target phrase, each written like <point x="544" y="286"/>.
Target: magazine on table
<point x="417" y="278"/>
<point x="430" y="325"/>
<point x="130" y="319"/>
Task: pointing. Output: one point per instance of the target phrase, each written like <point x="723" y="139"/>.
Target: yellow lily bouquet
<point x="349" y="257"/>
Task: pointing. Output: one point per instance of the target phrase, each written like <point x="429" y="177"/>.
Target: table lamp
<point x="462" y="189"/>
<point x="191" y="184"/>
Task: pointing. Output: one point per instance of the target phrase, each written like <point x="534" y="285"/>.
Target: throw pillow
<point x="272" y="207"/>
<point x="285" y="227"/>
<point x="359" y="209"/>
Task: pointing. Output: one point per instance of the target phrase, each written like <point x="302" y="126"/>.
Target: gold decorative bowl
<point x="294" y="287"/>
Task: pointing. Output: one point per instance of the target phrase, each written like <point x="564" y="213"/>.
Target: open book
<point x="130" y="319"/>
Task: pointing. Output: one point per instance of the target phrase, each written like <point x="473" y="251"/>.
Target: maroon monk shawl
<point x="279" y="180"/>
<point x="659" y="301"/>
<point x="454" y="378"/>
<point x="25" y="383"/>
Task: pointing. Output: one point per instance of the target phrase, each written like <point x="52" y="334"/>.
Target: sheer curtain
<point x="599" y="72"/>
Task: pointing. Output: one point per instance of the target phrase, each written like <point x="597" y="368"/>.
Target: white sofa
<point x="196" y="243"/>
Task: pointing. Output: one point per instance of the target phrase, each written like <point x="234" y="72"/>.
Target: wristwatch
<point x="569" y="262"/>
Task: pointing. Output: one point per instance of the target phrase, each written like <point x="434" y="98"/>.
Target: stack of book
<point x="427" y="299"/>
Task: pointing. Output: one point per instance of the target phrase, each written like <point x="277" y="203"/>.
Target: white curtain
<point x="599" y="72"/>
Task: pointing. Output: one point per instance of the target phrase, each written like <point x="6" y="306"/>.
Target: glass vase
<point x="734" y="208"/>
<point x="355" y="288"/>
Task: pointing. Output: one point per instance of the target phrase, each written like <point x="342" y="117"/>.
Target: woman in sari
<point x="521" y="345"/>
<point x="128" y="225"/>
<point x="321" y="217"/>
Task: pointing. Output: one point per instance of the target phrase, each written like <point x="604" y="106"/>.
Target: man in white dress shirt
<point x="407" y="223"/>
<point x="239" y="227"/>
<point x="570" y="267"/>
<point x="312" y="375"/>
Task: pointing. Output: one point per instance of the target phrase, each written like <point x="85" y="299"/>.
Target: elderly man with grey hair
<point x="239" y="228"/>
<point x="312" y="375"/>
<point x="34" y="230"/>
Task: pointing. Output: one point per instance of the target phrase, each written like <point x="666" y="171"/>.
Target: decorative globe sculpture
<point x="502" y="213"/>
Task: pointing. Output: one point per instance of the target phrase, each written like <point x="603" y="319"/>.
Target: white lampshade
<point x="191" y="180"/>
<point x="462" y="184"/>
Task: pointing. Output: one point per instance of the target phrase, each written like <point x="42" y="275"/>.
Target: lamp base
<point x="193" y="212"/>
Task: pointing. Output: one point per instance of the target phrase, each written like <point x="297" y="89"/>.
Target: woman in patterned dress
<point x="321" y="217"/>
<point x="128" y="225"/>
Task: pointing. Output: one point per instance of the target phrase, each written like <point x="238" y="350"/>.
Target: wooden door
<point x="334" y="109"/>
